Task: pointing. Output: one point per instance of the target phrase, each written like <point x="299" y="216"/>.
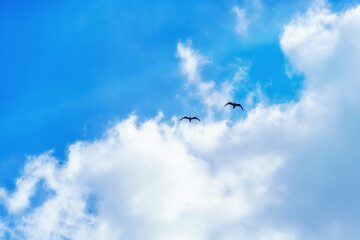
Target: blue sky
<point x="68" y="65"/>
<point x="69" y="71"/>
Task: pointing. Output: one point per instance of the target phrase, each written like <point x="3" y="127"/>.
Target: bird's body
<point x="234" y="105"/>
<point x="190" y="118"/>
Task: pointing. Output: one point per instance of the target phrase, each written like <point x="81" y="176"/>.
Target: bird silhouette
<point x="190" y="118"/>
<point x="234" y="105"/>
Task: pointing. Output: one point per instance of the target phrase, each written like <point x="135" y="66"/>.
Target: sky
<point x="91" y="93"/>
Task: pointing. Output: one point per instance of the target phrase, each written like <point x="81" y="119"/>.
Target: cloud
<point x="325" y="47"/>
<point x="2" y="229"/>
<point x="25" y="185"/>
<point x="315" y="34"/>
<point x="151" y="180"/>
<point x="246" y="15"/>
<point x="241" y="20"/>
<point x="191" y="65"/>
<point x="285" y="172"/>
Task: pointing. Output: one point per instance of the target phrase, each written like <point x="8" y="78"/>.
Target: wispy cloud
<point x="211" y="96"/>
<point x="192" y="63"/>
<point x="245" y="15"/>
<point x="242" y="22"/>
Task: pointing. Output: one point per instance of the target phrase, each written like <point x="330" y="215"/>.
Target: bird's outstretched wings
<point x="228" y="104"/>
<point x="185" y="118"/>
<point x="195" y="118"/>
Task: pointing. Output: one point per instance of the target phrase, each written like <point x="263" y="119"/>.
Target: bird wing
<point x="228" y="104"/>
<point x="195" y="118"/>
<point x="240" y="106"/>
<point x="184" y="118"/>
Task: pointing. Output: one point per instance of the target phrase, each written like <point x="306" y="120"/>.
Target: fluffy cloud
<point x="148" y="180"/>
<point x="271" y="176"/>
<point x="325" y="47"/>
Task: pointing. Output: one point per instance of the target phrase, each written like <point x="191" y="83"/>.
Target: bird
<point x="234" y="105"/>
<point x="190" y="118"/>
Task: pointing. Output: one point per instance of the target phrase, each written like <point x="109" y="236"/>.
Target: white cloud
<point x="151" y="181"/>
<point x="241" y="20"/>
<point x="315" y="33"/>
<point x="325" y="47"/>
<point x="42" y="168"/>
<point x="246" y="15"/>
<point x="191" y="65"/>
<point x="2" y="229"/>
<point x="264" y="177"/>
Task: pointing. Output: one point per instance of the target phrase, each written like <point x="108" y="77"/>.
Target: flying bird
<point x="234" y="105"/>
<point x="190" y="118"/>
